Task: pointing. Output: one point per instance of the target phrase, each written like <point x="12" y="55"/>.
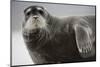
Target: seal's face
<point x="35" y="20"/>
<point x="35" y="17"/>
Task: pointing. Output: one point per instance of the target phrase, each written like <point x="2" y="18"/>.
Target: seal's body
<point x="55" y="40"/>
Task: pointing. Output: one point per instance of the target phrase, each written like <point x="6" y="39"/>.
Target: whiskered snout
<point x="35" y="17"/>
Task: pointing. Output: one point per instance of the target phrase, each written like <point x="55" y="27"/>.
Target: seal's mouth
<point x="30" y="36"/>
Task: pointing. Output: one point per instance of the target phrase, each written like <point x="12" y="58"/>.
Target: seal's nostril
<point x="35" y="17"/>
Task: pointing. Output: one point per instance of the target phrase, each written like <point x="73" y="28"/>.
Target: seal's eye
<point x="41" y="11"/>
<point x="28" y="13"/>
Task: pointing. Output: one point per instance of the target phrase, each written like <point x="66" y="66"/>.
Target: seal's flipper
<point x="84" y="40"/>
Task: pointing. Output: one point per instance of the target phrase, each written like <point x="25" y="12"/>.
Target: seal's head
<point x="35" y="17"/>
<point x="35" y="20"/>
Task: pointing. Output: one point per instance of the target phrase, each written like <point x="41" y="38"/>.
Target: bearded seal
<point x="51" y="39"/>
